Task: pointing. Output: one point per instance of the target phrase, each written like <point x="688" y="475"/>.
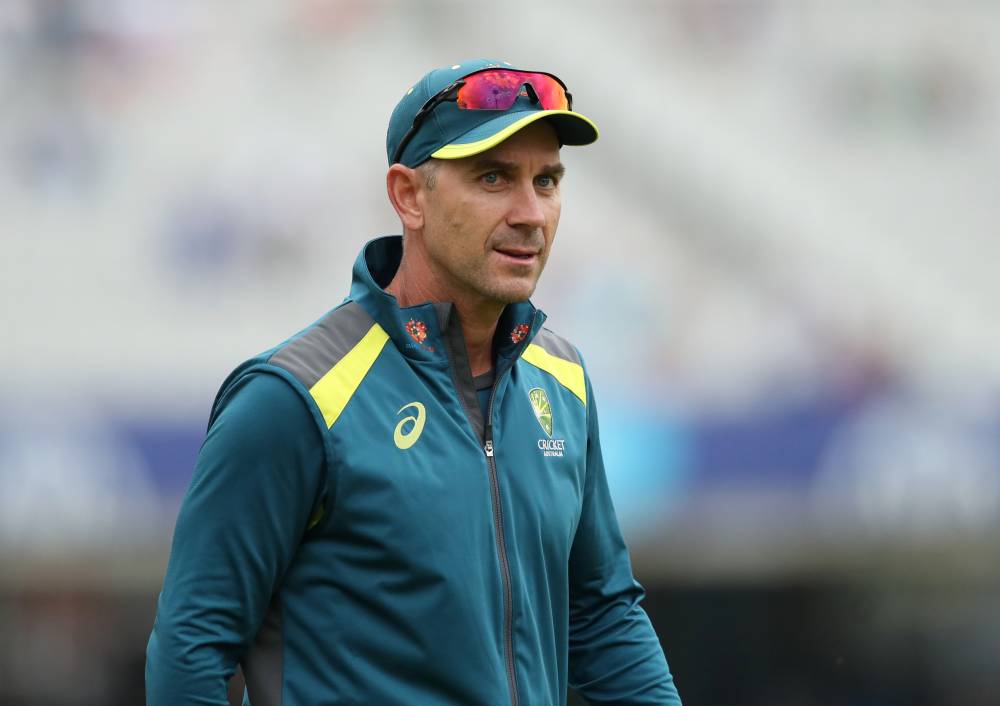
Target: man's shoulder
<point x="556" y="345"/>
<point x="315" y="350"/>
<point x="555" y="355"/>
<point x="307" y="357"/>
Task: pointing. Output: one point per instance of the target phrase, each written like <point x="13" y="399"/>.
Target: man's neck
<point x="478" y="318"/>
<point x="478" y="331"/>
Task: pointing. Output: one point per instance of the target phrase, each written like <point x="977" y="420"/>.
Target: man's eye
<point x="491" y="178"/>
<point x="546" y="182"/>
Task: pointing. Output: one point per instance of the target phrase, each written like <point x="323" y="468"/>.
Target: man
<point x="406" y="503"/>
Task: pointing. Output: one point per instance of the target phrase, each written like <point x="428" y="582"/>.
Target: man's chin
<point x="514" y="293"/>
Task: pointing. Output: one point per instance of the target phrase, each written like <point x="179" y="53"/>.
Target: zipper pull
<point x="489" y="448"/>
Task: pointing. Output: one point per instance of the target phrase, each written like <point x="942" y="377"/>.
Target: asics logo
<point x="406" y="439"/>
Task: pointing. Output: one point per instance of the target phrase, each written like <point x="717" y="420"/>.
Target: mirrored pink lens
<point x="498" y="89"/>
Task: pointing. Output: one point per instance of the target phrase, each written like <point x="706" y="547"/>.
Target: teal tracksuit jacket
<point x="356" y="532"/>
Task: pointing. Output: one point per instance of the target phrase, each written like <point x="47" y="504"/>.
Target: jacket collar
<point x="418" y="331"/>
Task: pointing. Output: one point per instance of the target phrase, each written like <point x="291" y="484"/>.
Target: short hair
<point x="429" y="171"/>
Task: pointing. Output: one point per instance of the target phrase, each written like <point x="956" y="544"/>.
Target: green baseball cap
<point x="449" y="132"/>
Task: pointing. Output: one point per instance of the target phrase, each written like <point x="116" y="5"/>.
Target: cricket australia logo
<point x="543" y="413"/>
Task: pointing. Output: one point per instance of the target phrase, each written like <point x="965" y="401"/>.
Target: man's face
<point x="489" y="219"/>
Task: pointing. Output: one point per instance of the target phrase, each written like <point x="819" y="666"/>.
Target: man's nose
<point x="526" y="207"/>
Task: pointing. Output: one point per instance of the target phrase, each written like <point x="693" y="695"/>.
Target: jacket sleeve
<point x="258" y="475"/>
<point x="614" y="654"/>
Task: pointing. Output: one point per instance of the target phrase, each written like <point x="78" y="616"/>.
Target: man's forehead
<point x="482" y="163"/>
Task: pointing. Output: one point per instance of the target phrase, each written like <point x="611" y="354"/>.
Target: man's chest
<point x="413" y="477"/>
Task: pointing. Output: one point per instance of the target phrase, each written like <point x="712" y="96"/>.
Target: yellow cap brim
<point x="458" y="150"/>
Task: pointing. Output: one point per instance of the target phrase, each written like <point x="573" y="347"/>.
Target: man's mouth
<point x="519" y="254"/>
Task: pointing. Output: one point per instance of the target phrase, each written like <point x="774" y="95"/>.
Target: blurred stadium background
<point x="780" y="262"/>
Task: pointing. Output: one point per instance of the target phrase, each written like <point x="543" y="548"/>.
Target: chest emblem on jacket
<point x="543" y="413"/>
<point x="543" y="410"/>
<point x="411" y="426"/>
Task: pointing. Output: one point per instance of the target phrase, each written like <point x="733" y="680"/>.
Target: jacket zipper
<point x="508" y="598"/>
<point x="508" y="595"/>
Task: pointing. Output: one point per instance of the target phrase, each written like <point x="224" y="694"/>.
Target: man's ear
<point x="404" y="185"/>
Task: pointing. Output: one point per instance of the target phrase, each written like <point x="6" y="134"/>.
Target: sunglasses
<point x="493" y="89"/>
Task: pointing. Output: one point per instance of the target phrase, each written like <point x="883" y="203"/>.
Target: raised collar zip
<point x="420" y="331"/>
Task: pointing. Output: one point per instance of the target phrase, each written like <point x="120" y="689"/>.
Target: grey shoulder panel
<point x="262" y="664"/>
<point x="557" y="346"/>
<point x="309" y="356"/>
